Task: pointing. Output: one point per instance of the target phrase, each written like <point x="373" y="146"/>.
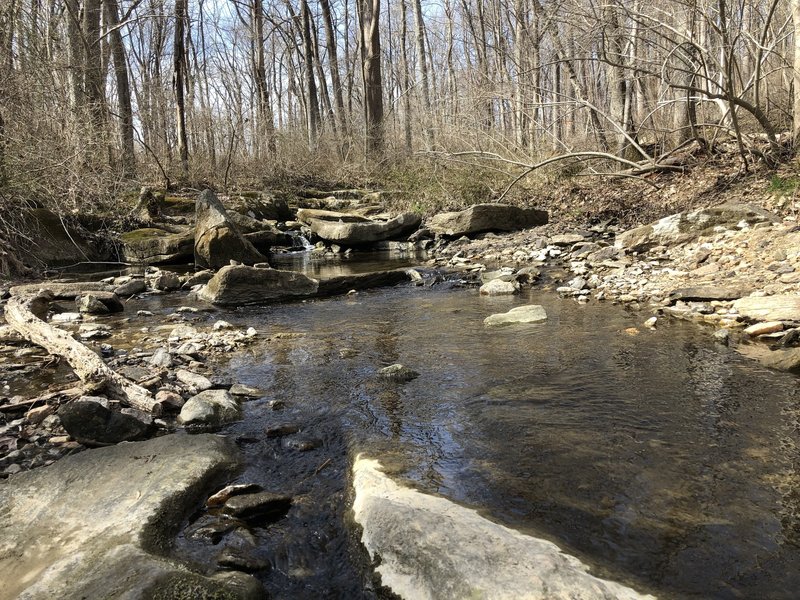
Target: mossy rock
<point x="178" y="205"/>
<point x="151" y="245"/>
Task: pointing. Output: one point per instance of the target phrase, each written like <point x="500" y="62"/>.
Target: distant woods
<point x="95" y="92"/>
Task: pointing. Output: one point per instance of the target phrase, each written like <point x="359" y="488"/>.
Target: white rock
<point x="531" y="313"/>
<point x="434" y="549"/>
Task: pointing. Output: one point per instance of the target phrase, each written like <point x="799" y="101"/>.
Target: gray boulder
<point x="357" y="233"/>
<point x="61" y="291"/>
<point x="241" y="285"/>
<point x="486" y="217"/>
<point x="687" y="226"/>
<point x="398" y="373"/>
<point x="95" y="525"/>
<point x="217" y="239"/>
<point x="134" y="286"/>
<point x="153" y="246"/>
<point x="210" y="408"/>
<point x="499" y="287"/>
<point x="99" y="303"/>
<point x="91" y="422"/>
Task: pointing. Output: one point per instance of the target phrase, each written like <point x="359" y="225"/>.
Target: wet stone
<point x="397" y="373"/>
<point x="281" y="431"/>
<point x="229" y="491"/>
<point x="302" y="444"/>
<point x="260" y="507"/>
<point x="242" y="560"/>
<point x="212" y="528"/>
<point x="247" y="391"/>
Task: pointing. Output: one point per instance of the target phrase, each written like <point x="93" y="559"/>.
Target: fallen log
<point x="26" y="313"/>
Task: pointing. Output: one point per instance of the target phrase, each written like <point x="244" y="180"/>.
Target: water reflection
<point x="666" y="461"/>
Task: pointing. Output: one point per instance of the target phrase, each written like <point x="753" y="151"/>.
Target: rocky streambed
<point x="452" y="399"/>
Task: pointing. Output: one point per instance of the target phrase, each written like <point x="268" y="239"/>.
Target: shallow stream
<point x="661" y="458"/>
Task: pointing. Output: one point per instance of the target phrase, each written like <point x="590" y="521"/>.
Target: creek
<point x="661" y="458"/>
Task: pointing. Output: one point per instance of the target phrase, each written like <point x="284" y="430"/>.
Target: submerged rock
<point x="531" y="313"/>
<point x="397" y="372"/>
<point x="260" y="506"/>
<point x="432" y="548"/>
<point x="486" y="217"/>
<point x="94" y="525"/>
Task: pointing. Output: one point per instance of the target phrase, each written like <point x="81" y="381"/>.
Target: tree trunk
<point x="266" y="117"/>
<point x="123" y="90"/>
<point x="92" y="63"/>
<point x="422" y="63"/>
<point x="179" y="62"/>
<point x="406" y="91"/>
<point x="796" y="78"/>
<point x="333" y="59"/>
<point x="312" y="101"/>
<point x="369" y="15"/>
<point x="23" y="314"/>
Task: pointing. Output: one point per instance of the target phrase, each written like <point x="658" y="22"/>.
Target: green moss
<point x="179" y="204"/>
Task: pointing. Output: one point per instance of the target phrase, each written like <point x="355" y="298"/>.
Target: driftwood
<point x="26" y="314"/>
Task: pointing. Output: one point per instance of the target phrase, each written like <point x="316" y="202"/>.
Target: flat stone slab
<point x="530" y="313"/>
<point x="781" y="307"/>
<point x="486" y="217"/>
<point x="703" y="293"/>
<point x="354" y="234"/>
<point x="93" y="525"/>
<point x="61" y="291"/>
<point x="434" y="549"/>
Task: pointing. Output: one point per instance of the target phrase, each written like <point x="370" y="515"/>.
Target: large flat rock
<point x="486" y="217"/>
<point x="154" y="246"/>
<point x="217" y="239"/>
<point x="781" y="307"/>
<point x="687" y="226"/>
<point x="94" y="525"/>
<point x="241" y="285"/>
<point x="357" y="233"/>
<point x="432" y="549"/>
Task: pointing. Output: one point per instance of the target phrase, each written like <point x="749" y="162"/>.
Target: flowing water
<point x="662" y="459"/>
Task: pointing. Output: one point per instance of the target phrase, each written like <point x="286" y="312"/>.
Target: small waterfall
<point x="300" y="242"/>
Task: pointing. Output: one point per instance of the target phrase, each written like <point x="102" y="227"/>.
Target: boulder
<point x="357" y="233"/>
<point x="687" y="226"/>
<point x="257" y="506"/>
<point x="91" y="422"/>
<point x="531" y="313"/>
<point x="195" y="381"/>
<point x="499" y="287"/>
<point x="153" y="246"/>
<point x="241" y="285"/>
<point x="486" y="217"/>
<point x="96" y="524"/>
<point x="130" y="288"/>
<point x="99" y="303"/>
<point x="430" y="547"/>
<point x="261" y="206"/>
<point x="781" y="307"/>
<point x="342" y="284"/>
<point x="165" y="281"/>
<point x="217" y="240"/>
<point x="210" y="408"/>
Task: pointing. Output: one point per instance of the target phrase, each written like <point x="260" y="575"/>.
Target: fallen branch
<point x="25" y="314"/>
